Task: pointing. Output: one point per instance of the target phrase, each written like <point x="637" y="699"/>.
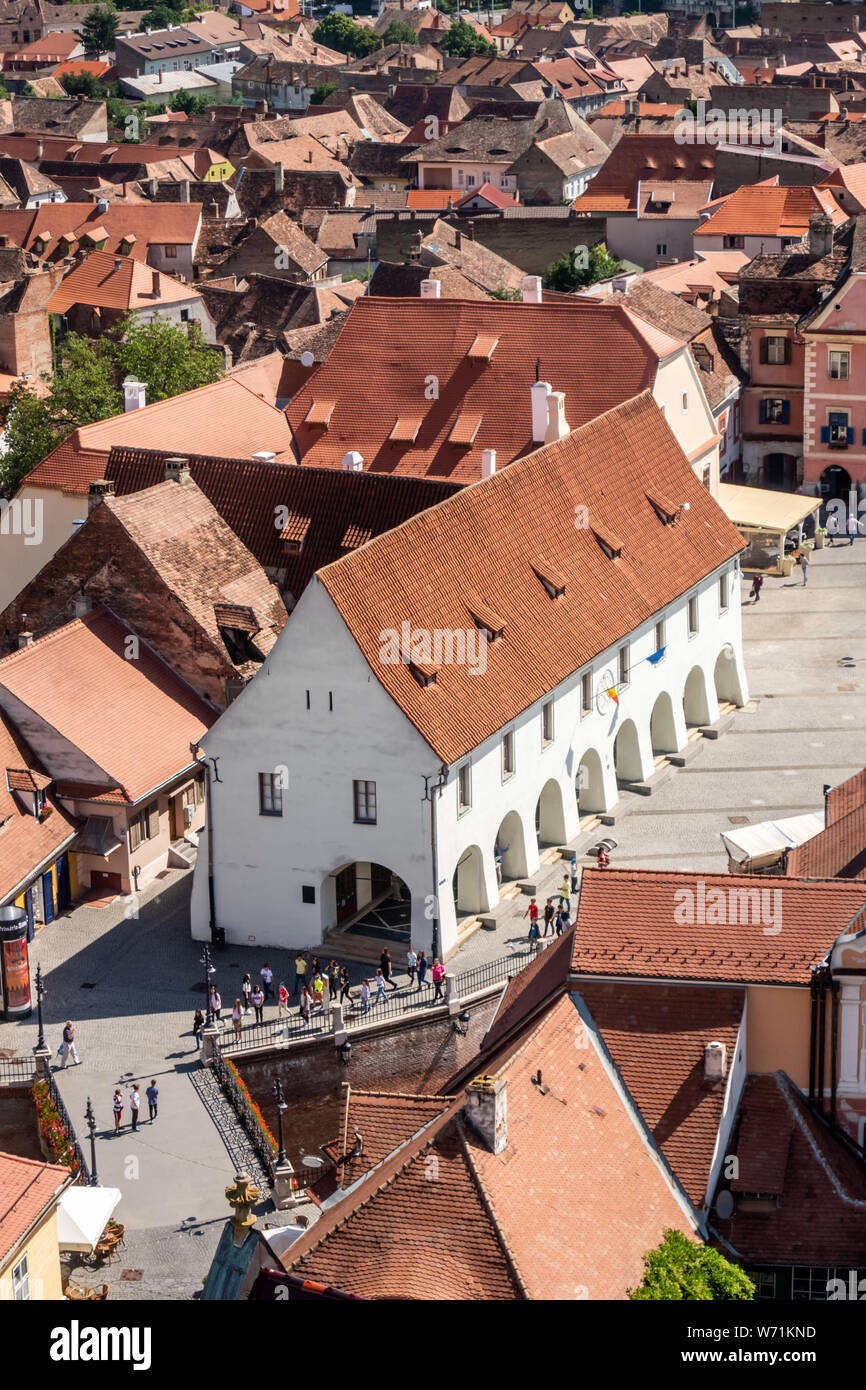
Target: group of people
<point x="152" y="1094"/>
<point x="417" y="965"/>
<point x="556" y="919"/>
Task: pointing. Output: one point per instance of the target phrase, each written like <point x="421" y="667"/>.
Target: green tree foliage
<point x="193" y="103"/>
<point x="569" y="273"/>
<point x="341" y="33"/>
<point x="462" y="41"/>
<point x="87" y="385"/>
<point x="321" y="93"/>
<point x="679" y="1270"/>
<point x="99" y="29"/>
<point x="398" y="32"/>
<point x="83" y="84"/>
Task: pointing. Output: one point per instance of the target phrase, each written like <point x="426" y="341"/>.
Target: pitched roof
<point x="225" y="415"/>
<point x="24" y="841"/>
<point x="657" y="1035"/>
<point x="488" y="193"/>
<point x="417" y="573"/>
<point x="837" y="851"/>
<point x="384" y="1120"/>
<point x="28" y="1188"/>
<point x="663" y="310"/>
<point x="133" y="720"/>
<point x="848" y="796"/>
<point x="637" y="159"/>
<point x="447" y="245"/>
<point x="765" y="210"/>
<point x="786" y="1152"/>
<point x="527" y="991"/>
<point x="150" y="223"/>
<point x="402" y="280"/>
<point x="647" y="923"/>
<point x="105" y="281"/>
<point x="388" y="350"/>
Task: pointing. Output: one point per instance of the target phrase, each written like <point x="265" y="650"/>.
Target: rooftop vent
<point x="353" y="462"/>
<point x="715" y="1061"/>
<point x="265" y="456"/>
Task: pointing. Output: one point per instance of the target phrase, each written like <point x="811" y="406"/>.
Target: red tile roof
<point x="762" y="210"/>
<point x="385" y="1121"/>
<point x="838" y="851"/>
<point x="107" y="281"/>
<point x="389" y="351"/>
<point x="847" y="797"/>
<point x="638" y="159"/>
<point x="487" y="191"/>
<point x="152" y="223"/>
<point x="28" y="1189"/>
<point x="636" y="922"/>
<point x="225" y="416"/>
<point x="531" y="988"/>
<point x="133" y="719"/>
<point x="417" y="573"/>
<point x="656" y="1035"/>
<point x="820" y="1218"/>
<point x="25" y="842"/>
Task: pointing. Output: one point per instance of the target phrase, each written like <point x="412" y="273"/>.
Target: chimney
<point x="488" y="463"/>
<point x="25" y="639"/>
<point x="458" y="240"/>
<point x="530" y="287"/>
<point x="134" y="394"/>
<point x="820" y="236"/>
<point x="83" y="605"/>
<point x="154" y="287"/>
<point x="99" y="489"/>
<point x="39" y="150"/>
<point x="265" y="456"/>
<point x="184" y="190"/>
<point x="353" y="462"/>
<point x="470" y="229"/>
<point x="213" y="210"/>
<point x="539" y="393"/>
<point x="102" y="204"/>
<point x="430" y="289"/>
<point x="715" y="1061"/>
<point x="153" y="187"/>
<point x="177" y="470"/>
<point x="118" y="264"/>
<point x="278" y="178"/>
<point x="487" y="1110"/>
<point x="557" y="425"/>
<point x="4" y="240"/>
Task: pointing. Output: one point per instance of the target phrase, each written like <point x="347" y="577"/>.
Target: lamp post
<point x="91" y="1125"/>
<point x="40" y="991"/>
<point x="346" y="1053"/>
<point x="208" y="971"/>
<point x="277" y="1091"/>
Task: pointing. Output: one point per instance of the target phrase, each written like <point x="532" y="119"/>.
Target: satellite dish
<point x="311" y="1161"/>
<point x="725" y="1204"/>
<point x="307" y="359"/>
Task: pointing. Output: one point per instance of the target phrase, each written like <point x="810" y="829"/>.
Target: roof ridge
<point x="487" y="1203"/>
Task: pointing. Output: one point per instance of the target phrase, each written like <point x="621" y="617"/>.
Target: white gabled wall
<point x="694" y="426"/>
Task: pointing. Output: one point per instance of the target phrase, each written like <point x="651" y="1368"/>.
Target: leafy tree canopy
<point x="99" y="29"/>
<point x="679" y="1270"/>
<point x="321" y="93"/>
<point x="398" y="32"/>
<point x="580" y="267"/>
<point x="462" y="41"/>
<point x="341" y="33"/>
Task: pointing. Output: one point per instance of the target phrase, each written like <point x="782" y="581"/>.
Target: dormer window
<point x="424" y="674"/>
<point x="664" y="510"/>
<point x="320" y="413"/>
<point x="610" y="544"/>
<point x="294" y="533"/>
<point x="483" y="348"/>
<point x="405" y="430"/>
<point x="551" y="578"/>
<point x="485" y="619"/>
<point x="465" y="428"/>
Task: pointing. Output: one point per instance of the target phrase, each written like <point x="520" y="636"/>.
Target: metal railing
<point x="69" y="1127"/>
<point x="494" y="972"/>
<point x="275" y="1031"/>
<point x="18" y="1071"/>
<point x="398" y="1003"/>
<point x="242" y="1108"/>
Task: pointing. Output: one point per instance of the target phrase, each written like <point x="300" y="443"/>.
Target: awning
<point x="98" y="837"/>
<point x="82" y="1215"/>
<point x="756" y="846"/>
<point x="759" y="509"/>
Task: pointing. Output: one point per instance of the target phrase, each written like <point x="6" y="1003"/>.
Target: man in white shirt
<point x="411" y="962"/>
<point x="134" y="1103"/>
<point x="267" y="975"/>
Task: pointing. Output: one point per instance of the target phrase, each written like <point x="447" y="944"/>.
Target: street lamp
<point x="91" y="1125"/>
<point x="346" y="1053"/>
<point x="277" y="1092"/>
<point x="40" y="991"/>
<point x="208" y="971"/>
<point x="465" y="1019"/>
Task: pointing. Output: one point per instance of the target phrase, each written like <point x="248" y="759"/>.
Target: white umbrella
<point x="82" y="1215"/>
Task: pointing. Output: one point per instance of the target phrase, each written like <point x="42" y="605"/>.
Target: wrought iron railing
<point x="69" y="1127"/>
<point x="242" y="1104"/>
<point x="494" y="972"/>
<point x="275" y="1031"/>
<point x="400" y="1003"/>
<point x="18" y="1071"/>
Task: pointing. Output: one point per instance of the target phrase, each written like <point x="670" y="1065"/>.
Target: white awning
<point x="82" y="1215"/>
<point x="756" y="846"/>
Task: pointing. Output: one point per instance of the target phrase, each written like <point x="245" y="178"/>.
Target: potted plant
<point x="788" y="566"/>
<point x="820" y="537"/>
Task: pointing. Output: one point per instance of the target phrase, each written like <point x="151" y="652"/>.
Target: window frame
<point x="841" y="353"/>
<point x="693" y="616"/>
<point x="270" y="789"/>
<point x="366" y="797"/>
<point x="464" y="782"/>
<point x="21" y="1281"/>
<point x="509" y="762"/>
<point x="661" y="638"/>
<point x="547" y="724"/>
<point x="586" y="693"/>
<point x="623" y="666"/>
<point x="724" y="592"/>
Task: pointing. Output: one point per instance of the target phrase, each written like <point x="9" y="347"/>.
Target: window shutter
<point x="825" y="434"/>
<point x="849" y="435"/>
<point x="786" y="412"/>
<point x="134" y="833"/>
<point x="764" y="350"/>
<point x="762" y="413"/>
<point x="153" y="820"/>
<point x="786" y="353"/>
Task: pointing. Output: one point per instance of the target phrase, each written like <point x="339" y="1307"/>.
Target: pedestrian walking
<point x="118" y="1110"/>
<point x="68" y="1045"/>
<point x="853" y="527"/>
<point x="345" y="991"/>
<point x="380" y="985"/>
<point x="387" y="967"/>
<point x="534" y="933"/>
<point x="549" y="914"/>
<point x="306" y="1004"/>
<point x="422" y="970"/>
<point x="152" y="1094"/>
<point x="365" y="995"/>
<point x="333" y="981"/>
<point x="561" y="919"/>
<point x="757" y="586"/>
<point x="532" y="913"/>
<point x="803" y="562"/>
<point x="197" y="1025"/>
<point x="315" y="968"/>
<point x="134" y="1103"/>
<point x="246" y="991"/>
<point x="257" y="999"/>
<point x="565" y="892"/>
<point x="267" y="975"/>
<point x="216" y="1003"/>
<point x="300" y="971"/>
<point x="575" y="877"/>
<point x="282" y="1001"/>
<point x="411" y="965"/>
<point x="602" y="858"/>
<point x="238" y="1019"/>
<point x="318" y="991"/>
<point x="499" y="853"/>
<point x="438" y="973"/>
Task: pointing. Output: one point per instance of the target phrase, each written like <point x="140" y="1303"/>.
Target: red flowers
<point x="53" y="1128"/>
<point x="245" y="1092"/>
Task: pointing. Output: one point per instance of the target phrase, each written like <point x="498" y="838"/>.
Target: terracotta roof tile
<point x="847" y="797"/>
<point x="384" y="1120"/>
<point x="837" y="851"/>
<point x="151" y="222"/>
<point x="417" y="573"/>
<point x="762" y="210"/>
<point x="636" y="922"/>
<point x="107" y="281"/>
<point x="24" y="841"/>
<point x="27" y="1189"/>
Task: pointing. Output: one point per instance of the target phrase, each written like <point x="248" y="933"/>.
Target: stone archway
<point x="367" y="895"/>
<point x="509" y="851"/>
<point x="550" y="815"/>
<point x="626" y="753"/>
<point x="663" y="729"/>
<point x="470" y="888"/>
<point x="726" y="678"/>
<point x="696" y="708"/>
<point x="589" y="784"/>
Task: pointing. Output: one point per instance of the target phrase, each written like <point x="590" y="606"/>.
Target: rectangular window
<point x="685" y="400"/>
<point x="706" y="475"/>
<point x="693" y="617"/>
<point x="839" y="366"/>
<point x="660" y="635"/>
<point x="144" y="826"/>
<point x="199" y="789"/>
<point x="777" y="350"/>
<point x="184" y="315"/>
<point x="464" y="788"/>
<point x="734" y="243"/>
<point x="21" y="1281"/>
<point x="723" y="592"/>
<point x="508" y="755"/>
<point x="661" y="248"/>
<point x="546" y="723"/>
<point x="171" y="253"/>
<point x="365" y="803"/>
<point x="270" y="794"/>
<point x="774" y="411"/>
<point x="838" y="429"/>
<point x="470" y="180"/>
<point x="623" y="666"/>
<point x="586" y="692"/>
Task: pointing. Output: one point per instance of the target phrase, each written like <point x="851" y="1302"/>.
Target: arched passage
<point x="364" y="895"/>
<point x="727" y="678"/>
<point x="589" y="784"/>
<point x="626" y="753"/>
<point x="470" y="890"/>
<point x="550" y="815"/>
<point x="509" y="851"/>
<point x="696" y="708"/>
<point x="663" y="729"/>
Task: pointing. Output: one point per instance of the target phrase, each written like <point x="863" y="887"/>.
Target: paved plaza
<point x="131" y="985"/>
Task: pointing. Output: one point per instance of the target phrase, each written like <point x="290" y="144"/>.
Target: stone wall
<point x="530" y="243"/>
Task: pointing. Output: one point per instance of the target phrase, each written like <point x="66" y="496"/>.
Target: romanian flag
<point x="613" y="695"/>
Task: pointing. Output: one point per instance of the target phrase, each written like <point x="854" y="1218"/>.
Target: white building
<point x="443" y="693"/>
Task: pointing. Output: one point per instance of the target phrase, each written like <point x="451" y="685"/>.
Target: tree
<point x="99" y="29"/>
<point x="83" y="84"/>
<point x="680" y="1269"/>
<point x="341" y="33"/>
<point x="399" y="32"/>
<point x="462" y="41"/>
<point x="580" y="267"/>
<point x="321" y="93"/>
<point x="29" y="434"/>
<point x="170" y="359"/>
<point x="190" y="102"/>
